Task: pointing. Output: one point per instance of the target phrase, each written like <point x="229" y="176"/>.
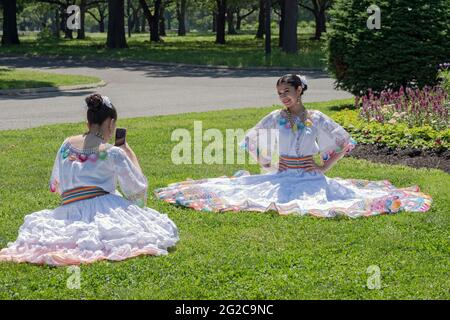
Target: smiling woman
<point x="25" y="78"/>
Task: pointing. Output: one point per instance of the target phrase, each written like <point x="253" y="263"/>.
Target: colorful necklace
<point x="294" y="126"/>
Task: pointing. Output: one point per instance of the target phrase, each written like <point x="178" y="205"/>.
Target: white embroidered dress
<point x="288" y="188"/>
<point x="109" y="226"/>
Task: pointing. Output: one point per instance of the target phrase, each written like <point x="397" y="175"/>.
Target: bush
<point x="413" y="39"/>
<point x="392" y="135"/>
<point x="444" y="76"/>
<point x="45" y="34"/>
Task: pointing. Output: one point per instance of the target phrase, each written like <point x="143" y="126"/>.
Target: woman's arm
<point x="329" y="163"/>
<point x="130" y="153"/>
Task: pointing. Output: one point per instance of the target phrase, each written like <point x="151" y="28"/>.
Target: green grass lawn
<point x="23" y="78"/>
<point x="240" y="51"/>
<point x="232" y="255"/>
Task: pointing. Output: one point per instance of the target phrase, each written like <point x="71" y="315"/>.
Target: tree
<point x="162" y="19"/>
<point x="261" y="24"/>
<point x="80" y="32"/>
<point x="268" y="45"/>
<point x="116" y="25"/>
<point x="413" y="39"/>
<point x="240" y="17"/>
<point x="10" y="35"/>
<point x="152" y="18"/>
<point x="282" y="5"/>
<point x="220" y="21"/>
<point x="101" y="9"/>
<point x="63" y="5"/>
<point x="318" y="10"/>
<point x="290" y="27"/>
<point x="181" y="7"/>
<point x="230" y="19"/>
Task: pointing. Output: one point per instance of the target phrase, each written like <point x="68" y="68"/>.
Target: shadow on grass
<point x="342" y="107"/>
<point x="50" y="94"/>
<point x="24" y="84"/>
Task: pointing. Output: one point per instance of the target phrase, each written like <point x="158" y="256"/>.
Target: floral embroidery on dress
<point x="74" y="154"/>
<point x="332" y="138"/>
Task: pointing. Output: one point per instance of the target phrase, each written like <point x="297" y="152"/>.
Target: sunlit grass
<point x="23" y="78"/>
<point x="232" y="255"/>
<point x="240" y="51"/>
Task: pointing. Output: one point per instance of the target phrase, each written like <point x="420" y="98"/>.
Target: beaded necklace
<point x="294" y="127"/>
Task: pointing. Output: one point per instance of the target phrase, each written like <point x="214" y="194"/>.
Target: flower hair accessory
<point x="107" y="102"/>
<point x="303" y="81"/>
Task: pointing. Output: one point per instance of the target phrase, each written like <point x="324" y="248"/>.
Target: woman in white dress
<point x="95" y="222"/>
<point x="294" y="183"/>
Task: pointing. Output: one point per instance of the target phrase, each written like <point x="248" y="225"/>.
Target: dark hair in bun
<point x="293" y="80"/>
<point x="98" y="111"/>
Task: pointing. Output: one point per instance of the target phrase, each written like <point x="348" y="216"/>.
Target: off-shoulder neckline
<point x="103" y="147"/>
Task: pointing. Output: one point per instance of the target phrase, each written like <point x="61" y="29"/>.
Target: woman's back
<point x="101" y="166"/>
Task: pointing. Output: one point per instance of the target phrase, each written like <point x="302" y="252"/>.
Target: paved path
<point x="143" y="89"/>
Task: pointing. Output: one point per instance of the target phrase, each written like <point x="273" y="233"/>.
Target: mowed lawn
<point x="241" y="50"/>
<point x="11" y="78"/>
<point x="232" y="255"/>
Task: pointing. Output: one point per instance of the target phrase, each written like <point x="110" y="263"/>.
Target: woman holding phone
<point x="94" y="222"/>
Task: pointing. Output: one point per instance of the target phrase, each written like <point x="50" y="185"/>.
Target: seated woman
<point x="94" y="221"/>
<point x="295" y="183"/>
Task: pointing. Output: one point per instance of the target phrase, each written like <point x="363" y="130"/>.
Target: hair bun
<point x="94" y="102"/>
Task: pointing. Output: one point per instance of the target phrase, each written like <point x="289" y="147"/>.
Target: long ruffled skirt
<point x="295" y="192"/>
<point x="108" y="227"/>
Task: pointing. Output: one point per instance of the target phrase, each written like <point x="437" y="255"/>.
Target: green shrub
<point x="413" y="39"/>
<point x="444" y="78"/>
<point x="392" y="135"/>
<point x="45" y="34"/>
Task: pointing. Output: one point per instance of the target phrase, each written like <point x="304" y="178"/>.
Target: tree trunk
<point x="116" y="25"/>
<point x="101" y="21"/>
<point x="268" y="42"/>
<point x="281" y="25"/>
<point x="10" y="34"/>
<point x="154" y="23"/>
<point x="81" y="34"/>
<point x="152" y="19"/>
<point x="143" y="22"/>
<point x="56" y="25"/>
<point x="214" y="22"/>
<point x="101" y="25"/>
<point x="238" y="19"/>
<point x="135" y="20"/>
<point x="290" y="27"/>
<point x="162" y="21"/>
<point x="323" y="20"/>
<point x="181" y="17"/>
<point x="260" y="32"/>
<point x="230" y="21"/>
<point x="222" y="10"/>
<point x="129" y="22"/>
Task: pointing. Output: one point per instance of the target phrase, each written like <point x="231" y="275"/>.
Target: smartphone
<point x="120" y="136"/>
